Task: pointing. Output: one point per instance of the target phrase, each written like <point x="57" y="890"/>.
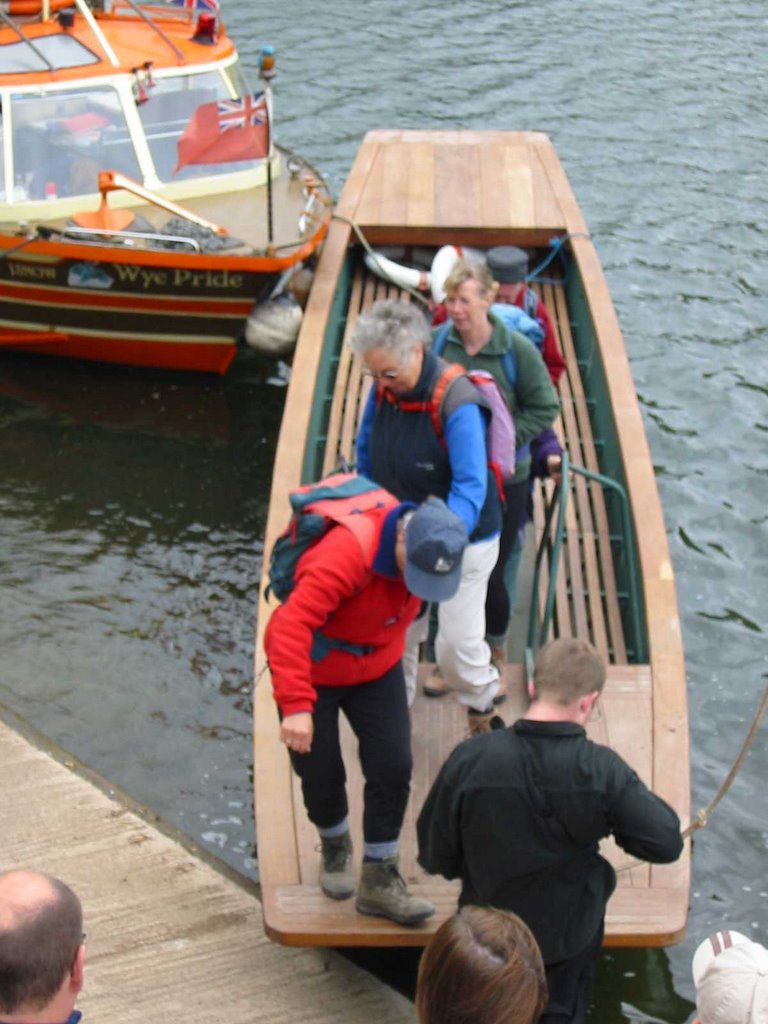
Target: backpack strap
<point x="441" y="336"/>
<point x="530" y="302"/>
<point x="432" y="406"/>
<point x="444" y="381"/>
<point x="509" y="366"/>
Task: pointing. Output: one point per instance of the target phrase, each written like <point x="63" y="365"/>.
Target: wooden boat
<point x="603" y="568"/>
<point x="117" y="242"/>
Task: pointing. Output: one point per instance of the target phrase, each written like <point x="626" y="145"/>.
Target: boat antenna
<point x="267" y="72"/>
<point x="25" y="39"/>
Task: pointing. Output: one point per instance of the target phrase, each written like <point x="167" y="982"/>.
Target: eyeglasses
<point x="382" y="374"/>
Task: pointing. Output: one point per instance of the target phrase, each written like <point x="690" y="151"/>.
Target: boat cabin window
<point x="165" y="115"/>
<point x="62" y="139"/>
<point x="61" y="51"/>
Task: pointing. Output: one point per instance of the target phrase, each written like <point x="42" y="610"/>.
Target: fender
<point x="445" y="260"/>
<point x="403" y="277"/>
<point x="443" y="263"/>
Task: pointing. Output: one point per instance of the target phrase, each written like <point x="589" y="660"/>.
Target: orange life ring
<point x="34" y="6"/>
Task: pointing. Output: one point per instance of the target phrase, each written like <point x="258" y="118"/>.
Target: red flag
<point x="228" y="130"/>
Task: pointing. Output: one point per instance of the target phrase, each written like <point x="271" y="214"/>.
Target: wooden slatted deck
<point x="399" y="192"/>
<point x="587" y="603"/>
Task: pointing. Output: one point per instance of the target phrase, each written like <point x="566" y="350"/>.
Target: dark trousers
<point x="570" y="983"/>
<point x="497" y="610"/>
<point x="378" y="714"/>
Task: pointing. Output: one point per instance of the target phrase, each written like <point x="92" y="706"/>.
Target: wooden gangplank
<point x="399" y="191"/>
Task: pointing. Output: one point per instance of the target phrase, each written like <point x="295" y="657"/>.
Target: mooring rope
<point x="702" y="818"/>
<point x="375" y="257"/>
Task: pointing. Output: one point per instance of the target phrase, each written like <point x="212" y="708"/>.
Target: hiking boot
<point x="382" y="893"/>
<point x="337" y="879"/>
<point x="484" y="721"/>
<point x="435" y="685"/>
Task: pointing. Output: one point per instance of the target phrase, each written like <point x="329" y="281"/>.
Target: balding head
<point x="41" y="928"/>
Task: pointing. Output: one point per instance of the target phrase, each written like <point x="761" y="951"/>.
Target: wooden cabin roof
<point x="403" y="185"/>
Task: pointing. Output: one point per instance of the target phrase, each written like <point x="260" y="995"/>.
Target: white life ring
<point x="445" y="260"/>
<point x="403" y="277"/>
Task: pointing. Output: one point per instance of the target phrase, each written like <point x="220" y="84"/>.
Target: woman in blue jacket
<point x="399" y="447"/>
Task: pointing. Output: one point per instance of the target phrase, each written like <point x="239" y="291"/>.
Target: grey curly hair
<point x="393" y="325"/>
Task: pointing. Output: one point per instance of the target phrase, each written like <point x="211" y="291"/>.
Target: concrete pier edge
<point x="172" y="931"/>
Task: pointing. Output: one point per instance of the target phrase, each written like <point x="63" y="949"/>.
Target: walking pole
<point x="267" y="73"/>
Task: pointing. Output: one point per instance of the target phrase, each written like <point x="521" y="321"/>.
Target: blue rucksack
<point x="524" y="322"/>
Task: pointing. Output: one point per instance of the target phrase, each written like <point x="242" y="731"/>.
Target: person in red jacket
<point x="509" y="268"/>
<point x="336" y="644"/>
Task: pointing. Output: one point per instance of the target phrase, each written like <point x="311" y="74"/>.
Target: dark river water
<point x="133" y="504"/>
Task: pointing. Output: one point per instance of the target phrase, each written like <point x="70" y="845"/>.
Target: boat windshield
<point x="62" y="139"/>
<point x="171" y="105"/>
<point x="59" y="50"/>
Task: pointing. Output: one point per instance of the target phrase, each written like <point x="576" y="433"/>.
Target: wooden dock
<point x="170" y="937"/>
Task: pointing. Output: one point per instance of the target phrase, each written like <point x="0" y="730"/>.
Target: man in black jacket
<point x="517" y="815"/>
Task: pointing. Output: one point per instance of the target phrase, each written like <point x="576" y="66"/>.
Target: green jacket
<point x="533" y="401"/>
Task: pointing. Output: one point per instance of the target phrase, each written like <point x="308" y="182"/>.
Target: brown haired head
<point x="470" y="270"/>
<point x="566" y="670"/>
<point x="41" y="932"/>
<point x="482" y="966"/>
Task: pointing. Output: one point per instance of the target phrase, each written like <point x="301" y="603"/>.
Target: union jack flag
<point x="224" y="131"/>
<point x="249" y="111"/>
<point x="197" y="5"/>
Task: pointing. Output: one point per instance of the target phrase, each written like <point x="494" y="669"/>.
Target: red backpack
<point x="501" y="431"/>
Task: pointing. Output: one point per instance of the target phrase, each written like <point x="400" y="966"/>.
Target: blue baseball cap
<point x="435" y="539"/>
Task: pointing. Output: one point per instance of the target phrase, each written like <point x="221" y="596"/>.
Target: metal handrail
<point x="142" y="235"/>
<point x="559" y="502"/>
